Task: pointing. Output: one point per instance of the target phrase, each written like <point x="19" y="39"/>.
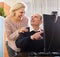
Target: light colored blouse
<point x="11" y="31"/>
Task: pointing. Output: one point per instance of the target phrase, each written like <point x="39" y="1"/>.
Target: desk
<point x="29" y="55"/>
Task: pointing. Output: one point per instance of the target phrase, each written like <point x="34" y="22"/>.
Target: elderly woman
<point x="15" y="23"/>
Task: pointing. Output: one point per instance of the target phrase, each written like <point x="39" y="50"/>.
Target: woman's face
<point x="19" y="13"/>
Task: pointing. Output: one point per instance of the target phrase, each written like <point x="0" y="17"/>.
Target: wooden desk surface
<point x="26" y="55"/>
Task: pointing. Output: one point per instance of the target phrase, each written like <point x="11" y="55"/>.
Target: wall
<point x="6" y="9"/>
<point x="1" y="4"/>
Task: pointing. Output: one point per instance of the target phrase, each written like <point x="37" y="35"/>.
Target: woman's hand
<point x="23" y="29"/>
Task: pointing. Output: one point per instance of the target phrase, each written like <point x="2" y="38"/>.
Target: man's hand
<point x="37" y="36"/>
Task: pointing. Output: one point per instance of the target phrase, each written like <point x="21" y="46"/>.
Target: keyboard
<point x="44" y="54"/>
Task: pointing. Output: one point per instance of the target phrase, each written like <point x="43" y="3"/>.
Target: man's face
<point x="35" y="20"/>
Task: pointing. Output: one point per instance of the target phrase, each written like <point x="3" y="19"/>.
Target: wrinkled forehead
<point x="36" y="15"/>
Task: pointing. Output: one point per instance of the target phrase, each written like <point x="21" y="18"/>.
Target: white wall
<point x="58" y="7"/>
<point x="46" y="6"/>
<point x="52" y="5"/>
<point x="1" y="0"/>
<point x="39" y="6"/>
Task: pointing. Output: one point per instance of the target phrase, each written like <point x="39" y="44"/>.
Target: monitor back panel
<point x="51" y="33"/>
<point x="55" y="42"/>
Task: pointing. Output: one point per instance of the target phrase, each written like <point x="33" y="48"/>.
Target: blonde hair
<point x="15" y="7"/>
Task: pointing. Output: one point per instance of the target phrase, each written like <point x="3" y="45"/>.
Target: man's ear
<point x="41" y="22"/>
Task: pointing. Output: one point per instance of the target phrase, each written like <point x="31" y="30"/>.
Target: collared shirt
<point x="31" y="29"/>
<point x="39" y="30"/>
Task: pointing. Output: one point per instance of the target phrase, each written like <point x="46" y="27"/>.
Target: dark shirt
<point x="27" y="45"/>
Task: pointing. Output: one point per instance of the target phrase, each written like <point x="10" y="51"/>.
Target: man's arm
<point x="22" y="41"/>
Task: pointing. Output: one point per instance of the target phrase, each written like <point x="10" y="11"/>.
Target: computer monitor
<point x="55" y="42"/>
<point x="51" y="33"/>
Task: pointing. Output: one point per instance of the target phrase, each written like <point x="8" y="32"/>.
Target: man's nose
<point x="22" y="14"/>
<point x="32" y="19"/>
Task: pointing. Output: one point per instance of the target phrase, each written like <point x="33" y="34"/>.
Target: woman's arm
<point x="10" y="35"/>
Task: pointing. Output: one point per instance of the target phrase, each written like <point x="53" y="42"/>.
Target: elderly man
<point x="32" y="41"/>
